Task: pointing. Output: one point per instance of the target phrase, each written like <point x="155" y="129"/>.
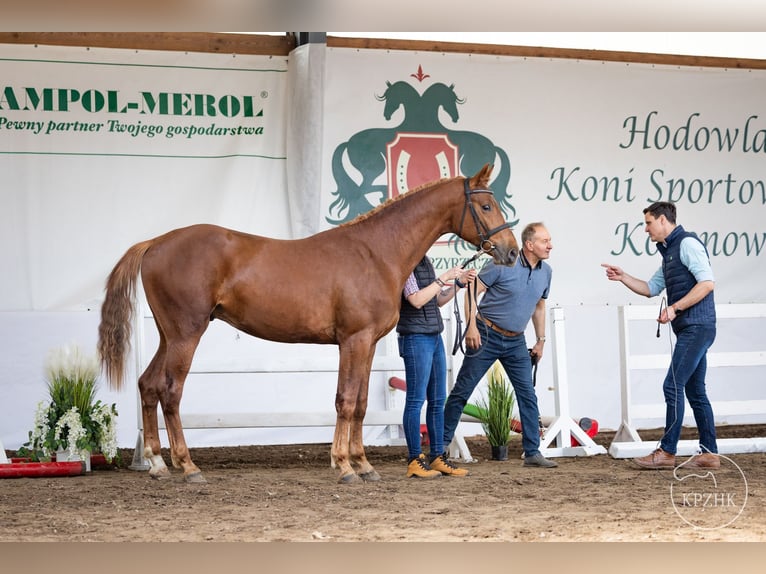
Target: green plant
<point x="72" y="417"/>
<point x="495" y="408"/>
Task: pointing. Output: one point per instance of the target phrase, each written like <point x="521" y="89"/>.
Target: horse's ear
<point x="481" y="179"/>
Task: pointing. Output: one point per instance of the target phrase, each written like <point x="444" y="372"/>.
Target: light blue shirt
<point x="695" y="259"/>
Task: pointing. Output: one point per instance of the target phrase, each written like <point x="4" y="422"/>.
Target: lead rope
<point x="459" y="334"/>
<point x="484" y="235"/>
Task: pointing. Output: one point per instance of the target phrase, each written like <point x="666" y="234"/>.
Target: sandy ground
<point x="289" y="493"/>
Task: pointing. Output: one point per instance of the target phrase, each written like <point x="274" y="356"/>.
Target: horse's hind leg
<point x="162" y="383"/>
<point x="149" y="385"/>
<point x="177" y="364"/>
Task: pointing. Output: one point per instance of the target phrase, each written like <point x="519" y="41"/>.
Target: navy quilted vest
<point x="679" y="281"/>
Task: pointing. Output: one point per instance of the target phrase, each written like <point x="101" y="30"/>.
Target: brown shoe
<point x="443" y="465"/>
<point x="659" y="459"/>
<point x="707" y="460"/>
<point x="418" y="468"/>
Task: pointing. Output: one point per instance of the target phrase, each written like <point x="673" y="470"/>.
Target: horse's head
<point x="482" y="222"/>
<point x="442" y="95"/>
<point x="397" y="94"/>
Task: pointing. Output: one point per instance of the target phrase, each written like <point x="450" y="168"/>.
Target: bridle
<point x="485" y="246"/>
<point x="484" y="233"/>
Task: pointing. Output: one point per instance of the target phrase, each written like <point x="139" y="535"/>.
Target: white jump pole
<point x="563" y="426"/>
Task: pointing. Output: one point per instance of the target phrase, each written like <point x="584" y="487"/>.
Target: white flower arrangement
<point x="76" y="432"/>
<point x="105" y="417"/>
<point x="40" y="430"/>
<point x="73" y="419"/>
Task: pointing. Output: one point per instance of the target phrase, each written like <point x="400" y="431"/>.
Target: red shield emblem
<point x="417" y="158"/>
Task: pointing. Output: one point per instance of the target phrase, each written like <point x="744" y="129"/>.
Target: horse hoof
<point x="371" y="476"/>
<point x="349" y="478"/>
<point x="163" y="474"/>
<point x="195" y="478"/>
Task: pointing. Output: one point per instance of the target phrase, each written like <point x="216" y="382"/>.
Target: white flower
<point x="71" y="420"/>
<point x="40" y="428"/>
<point x="104" y="417"/>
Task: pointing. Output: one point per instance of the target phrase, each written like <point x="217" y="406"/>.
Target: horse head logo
<point x="442" y="96"/>
<point x="417" y="150"/>
<point x="399" y="94"/>
<point x="364" y="154"/>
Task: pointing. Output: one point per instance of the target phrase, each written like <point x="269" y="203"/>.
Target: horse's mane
<point x="391" y="200"/>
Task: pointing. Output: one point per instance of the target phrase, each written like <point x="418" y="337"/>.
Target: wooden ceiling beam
<point x="258" y="44"/>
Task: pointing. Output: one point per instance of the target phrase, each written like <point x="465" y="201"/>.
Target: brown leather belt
<point x="497" y="329"/>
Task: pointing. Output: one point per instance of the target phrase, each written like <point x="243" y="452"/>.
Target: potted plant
<point x="72" y="423"/>
<point x="494" y="411"/>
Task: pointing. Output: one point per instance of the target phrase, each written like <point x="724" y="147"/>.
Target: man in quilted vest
<point x="687" y="277"/>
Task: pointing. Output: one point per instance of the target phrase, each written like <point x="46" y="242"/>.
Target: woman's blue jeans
<point x="688" y="367"/>
<point x="425" y="367"/>
<point x="513" y="354"/>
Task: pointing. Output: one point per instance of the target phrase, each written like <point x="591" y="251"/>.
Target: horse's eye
<point x="486" y="207"/>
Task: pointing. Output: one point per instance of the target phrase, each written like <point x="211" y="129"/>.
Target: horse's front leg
<point x="353" y="373"/>
<point x="356" y="444"/>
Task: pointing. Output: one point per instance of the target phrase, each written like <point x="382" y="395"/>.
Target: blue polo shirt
<point x="513" y="292"/>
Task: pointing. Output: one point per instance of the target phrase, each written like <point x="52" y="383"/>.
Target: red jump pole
<point x="41" y="469"/>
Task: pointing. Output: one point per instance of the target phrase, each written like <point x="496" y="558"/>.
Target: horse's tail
<point x="115" y="329"/>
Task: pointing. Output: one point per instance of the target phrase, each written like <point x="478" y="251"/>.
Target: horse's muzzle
<point x="503" y="257"/>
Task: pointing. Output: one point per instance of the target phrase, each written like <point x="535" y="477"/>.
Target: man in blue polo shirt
<point x="512" y="296"/>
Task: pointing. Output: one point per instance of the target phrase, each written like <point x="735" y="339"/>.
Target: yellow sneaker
<point x="443" y="465"/>
<point x="418" y="468"/>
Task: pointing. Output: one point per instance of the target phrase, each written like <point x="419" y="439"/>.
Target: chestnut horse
<point x="341" y="286"/>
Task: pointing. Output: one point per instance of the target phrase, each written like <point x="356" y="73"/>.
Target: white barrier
<point x="563" y="427"/>
<point x="627" y="442"/>
<point x="3" y="456"/>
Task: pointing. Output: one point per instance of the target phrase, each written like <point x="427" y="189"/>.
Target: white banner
<point x="583" y="146"/>
<point x="102" y="148"/>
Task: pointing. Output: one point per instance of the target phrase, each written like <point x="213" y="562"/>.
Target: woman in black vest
<point x="421" y="346"/>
